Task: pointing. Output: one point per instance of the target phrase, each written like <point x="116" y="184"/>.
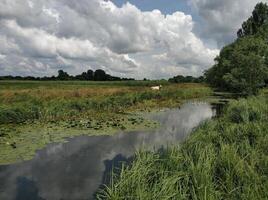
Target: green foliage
<point x="226" y="158"/>
<point x="99" y="75"/>
<point x="243" y="65"/>
<point x="62" y="75"/>
<point x="186" y="79"/>
<point x="255" y="23"/>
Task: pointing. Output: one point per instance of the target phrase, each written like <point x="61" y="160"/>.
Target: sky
<point x="137" y="38"/>
<point x="165" y="6"/>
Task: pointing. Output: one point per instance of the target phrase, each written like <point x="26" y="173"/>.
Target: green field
<point x="22" y="101"/>
<point x="226" y="158"/>
<point x="35" y="113"/>
<point x="62" y="84"/>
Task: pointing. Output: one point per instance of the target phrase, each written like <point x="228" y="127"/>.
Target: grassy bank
<point x="226" y="158"/>
<point x="33" y="114"/>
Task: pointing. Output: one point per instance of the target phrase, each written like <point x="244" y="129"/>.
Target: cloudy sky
<point x="134" y="38"/>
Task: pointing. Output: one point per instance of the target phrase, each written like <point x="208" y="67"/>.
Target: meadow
<point x="225" y="158"/>
<point x="46" y="101"/>
<point x="35" y="113"/>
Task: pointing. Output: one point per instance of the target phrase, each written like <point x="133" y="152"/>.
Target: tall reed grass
<point x="226" y="158"/>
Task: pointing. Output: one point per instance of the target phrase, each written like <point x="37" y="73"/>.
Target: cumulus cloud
<point x="40" y="36"/>
<point x="222" y="18"/>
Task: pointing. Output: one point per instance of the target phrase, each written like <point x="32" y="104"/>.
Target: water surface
<point x="76" y="169"/>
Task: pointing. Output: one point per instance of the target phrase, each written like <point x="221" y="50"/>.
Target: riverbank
<point x="225" y="158"/>
<point x="34" y="114"/>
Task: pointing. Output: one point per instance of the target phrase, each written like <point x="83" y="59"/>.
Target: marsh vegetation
<point x="35" y="113"/>
<point x="48" y="101"/>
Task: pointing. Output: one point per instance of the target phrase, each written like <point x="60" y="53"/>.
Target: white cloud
<point x="222" y="18"/>
<point x="43" y="35"/>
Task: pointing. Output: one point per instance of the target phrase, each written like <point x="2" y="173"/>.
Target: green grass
<point x="64" y="84"/>
<point x="22" y="101"/>
<point x="226" y="158"/>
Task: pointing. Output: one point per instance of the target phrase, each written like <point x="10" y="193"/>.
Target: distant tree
<point x="90" y="75"/>
<point x="84" y="76"/>
<point x="63" y="75"/>
<point x="187" y="79"/>
<point x="100" y="75"/>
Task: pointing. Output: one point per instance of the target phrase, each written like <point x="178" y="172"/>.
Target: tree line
<point x="242" y="66"/>
<point x="89" y="75"/>
<point x="99" y="75"/>
<point x="187" y="79"/>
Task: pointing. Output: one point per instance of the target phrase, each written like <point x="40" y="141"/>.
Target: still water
<point x="76" y="169"/>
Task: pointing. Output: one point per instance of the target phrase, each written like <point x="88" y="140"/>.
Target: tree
<point x="63" y="75"/>
<point x="100" y="75"/>
<point x="90" y="75"/>
<point x="243" y="65"/>
<point x="253" y="25"/>
<point x="250" y="72"/>
<point x="187" y="79"/>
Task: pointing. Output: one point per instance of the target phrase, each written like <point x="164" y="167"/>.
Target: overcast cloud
<point x="38" y="37"/>
<point x="221" y="19"/>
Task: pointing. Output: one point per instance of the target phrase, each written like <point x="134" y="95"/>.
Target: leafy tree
<point x="100" y="75"/>
<point x="250" y="71"/>
<point x="187" y="79"/>
<point x="90" y="75"/>
<point x="62" y="75"/>
<point x="253" y="25"/>
<point x="243" y="65"/>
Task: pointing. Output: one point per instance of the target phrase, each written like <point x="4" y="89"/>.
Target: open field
<point x="33" y="114"/>
<point x="46" y="101"/>
<point x="225" y="158"/>
<point x="63" y="84"/>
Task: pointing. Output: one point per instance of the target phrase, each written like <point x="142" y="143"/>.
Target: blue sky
<point x="165" y="6"/>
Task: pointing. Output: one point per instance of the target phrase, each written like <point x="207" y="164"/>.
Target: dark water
<point x="75" y="170"/>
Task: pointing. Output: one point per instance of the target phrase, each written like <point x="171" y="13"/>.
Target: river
<point x="76" y="169"/>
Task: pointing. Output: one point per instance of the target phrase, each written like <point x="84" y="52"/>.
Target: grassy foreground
<point x="226" y="158"/>
<point x="34" y="113"/>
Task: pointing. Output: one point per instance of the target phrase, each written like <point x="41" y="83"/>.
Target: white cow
<point x="156" y="87"/>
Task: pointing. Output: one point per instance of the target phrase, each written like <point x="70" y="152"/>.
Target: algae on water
<point x="19" y="143"/>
